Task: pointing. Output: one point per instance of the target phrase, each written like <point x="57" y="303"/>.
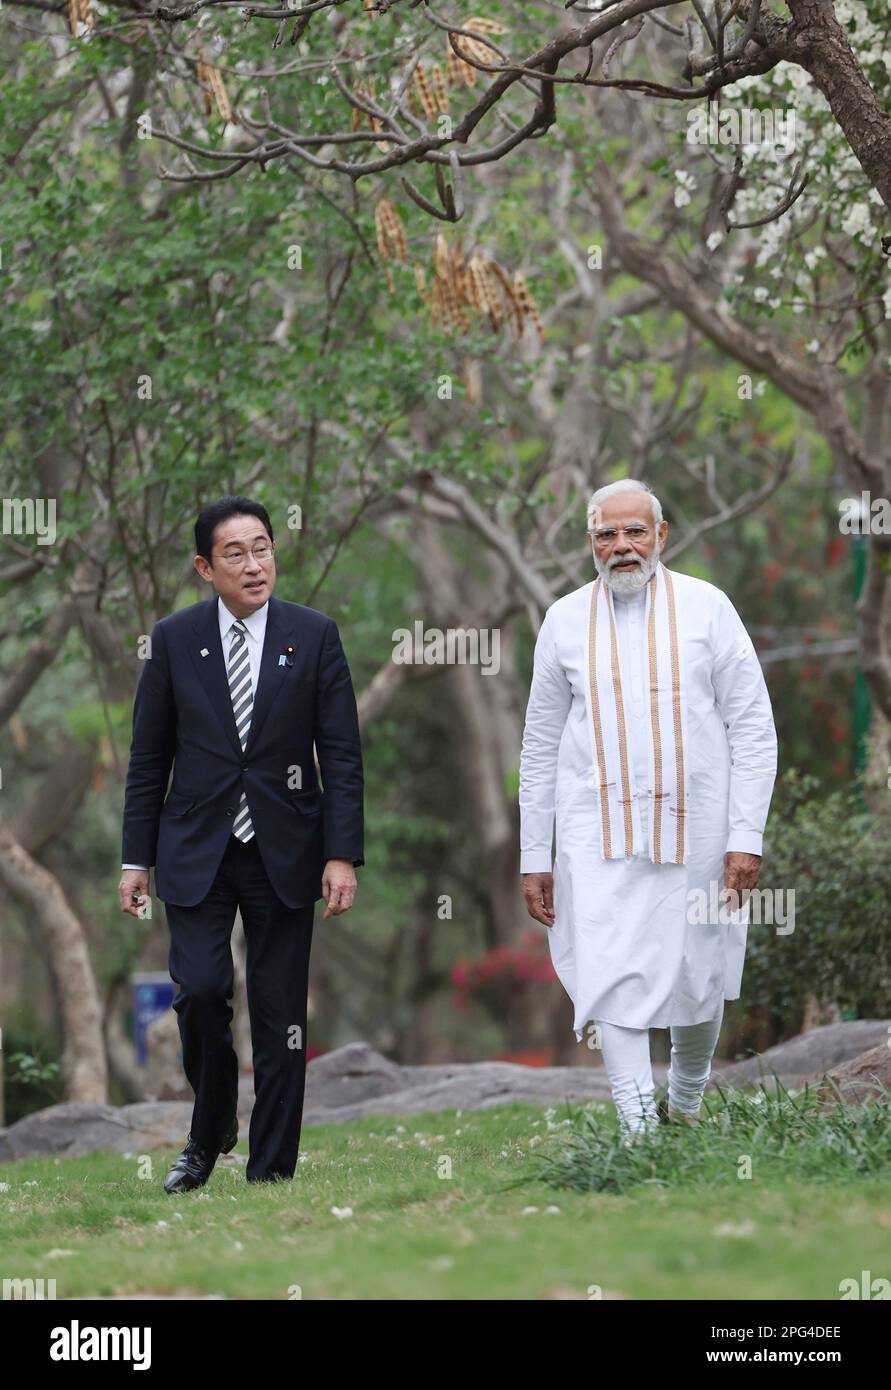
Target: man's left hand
<point x="338" y="887"/>
<point x="741" y="875"/>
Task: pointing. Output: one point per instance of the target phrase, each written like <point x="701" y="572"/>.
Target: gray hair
<point x="623" y="485"/>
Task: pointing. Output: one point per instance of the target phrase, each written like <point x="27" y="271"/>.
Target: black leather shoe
<point x="195" y="1164"/>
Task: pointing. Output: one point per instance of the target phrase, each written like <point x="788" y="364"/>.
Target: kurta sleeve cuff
<point x="744" y="842"/>
<point x="536" y="861"/>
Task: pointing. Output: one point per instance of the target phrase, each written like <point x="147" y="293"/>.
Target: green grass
<point x="781" y="1134"/>
<point x="673" y="1219"/>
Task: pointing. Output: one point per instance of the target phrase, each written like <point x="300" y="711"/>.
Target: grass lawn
<point x="453" y="1205"/>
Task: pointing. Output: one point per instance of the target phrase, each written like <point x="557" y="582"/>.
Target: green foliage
<point x="836" y="859"/>
<point x="31" y="1081"/>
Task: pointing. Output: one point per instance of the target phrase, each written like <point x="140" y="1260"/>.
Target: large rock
<point x="352" y="1074"/>
<point x="335" y="1090"/>
<point x="79" y="1127"/>
<point x="867" y="1077"/>
<point x="342" y="1085"/>
<point x="806" y="1057"/>
<point x="162" y="1075"/>
<point x="356" y="1081"/>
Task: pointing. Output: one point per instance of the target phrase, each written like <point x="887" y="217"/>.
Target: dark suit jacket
<point x="183" y="716"/>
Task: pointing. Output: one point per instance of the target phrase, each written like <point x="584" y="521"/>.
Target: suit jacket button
<point x="229" y="811"/>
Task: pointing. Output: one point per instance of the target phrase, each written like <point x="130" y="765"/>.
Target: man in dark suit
<point x="236" y="692"/>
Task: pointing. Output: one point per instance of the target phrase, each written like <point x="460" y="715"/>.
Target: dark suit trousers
<point x="278" y="941"/>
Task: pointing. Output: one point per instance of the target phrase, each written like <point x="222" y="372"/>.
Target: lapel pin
<point x="205" y="652"/>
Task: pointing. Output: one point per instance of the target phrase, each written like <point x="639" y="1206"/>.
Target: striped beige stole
<point x="620" y="809"/>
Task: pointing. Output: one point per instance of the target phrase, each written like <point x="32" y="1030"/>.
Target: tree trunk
<point x="84" y="1069"/>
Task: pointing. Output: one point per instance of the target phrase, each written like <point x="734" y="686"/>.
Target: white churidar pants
<point x="626" y="1057"/>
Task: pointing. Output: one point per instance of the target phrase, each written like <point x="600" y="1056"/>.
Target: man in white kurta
<point x="636" y="943"/>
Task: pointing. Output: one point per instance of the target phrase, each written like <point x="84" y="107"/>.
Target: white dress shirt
<point x="255" y="624"/>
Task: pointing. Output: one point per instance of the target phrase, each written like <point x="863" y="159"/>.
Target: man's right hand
<point x="134" y="884"/>
<point x="538" y="890"/>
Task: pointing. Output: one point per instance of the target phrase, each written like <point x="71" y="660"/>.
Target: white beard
<point x="628" y="582"/>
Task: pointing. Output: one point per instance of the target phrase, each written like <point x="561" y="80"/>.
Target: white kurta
<point x="629" y="944"/>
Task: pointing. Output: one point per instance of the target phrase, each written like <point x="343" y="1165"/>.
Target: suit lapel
<point x="211" y="669"/>
<point x="279" y="633"/>
<point x="212" y="672"/>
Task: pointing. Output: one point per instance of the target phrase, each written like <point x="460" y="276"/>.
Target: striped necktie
<point x="242" y="694"/>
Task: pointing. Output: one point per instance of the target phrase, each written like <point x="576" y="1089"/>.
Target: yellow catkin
<point x="358" y="118"/>
<point x="425" y="92"/>
<point x="220" y="96"/>
<point x="458" y="258"/>
<point x="397" y="231"/>
<point x="449" y="305"/>
<point x="483" y="25"/>
<point x="479" y="284"/>
<point x="79" y="12"/>
<point x="391" y="238"/>
<point x="530" y="308"/>
<point x="494" y="301"/>
<point x="471" y="48"/>
<point x="473" y="380"/>
<point x="454" y="65"/>
<point x="457" y="285"/>
<point x="459" y="73"/>
<point x="481" y="52"/>
<point x="380" y="231"/>
<point x="510" y="295"/>
<point x="476" y="293"/>
<point x="203" y="75"/>
<point x="435" y="303"/>
<point x="439" y="306"/>
<point x="442" y="256"/>
<point x="479" y="298"/>
<point x="212" y="86"/>
<point x="375" y="122"/>
<point x="440" y="90"/>
<point x="468" y="73"/>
